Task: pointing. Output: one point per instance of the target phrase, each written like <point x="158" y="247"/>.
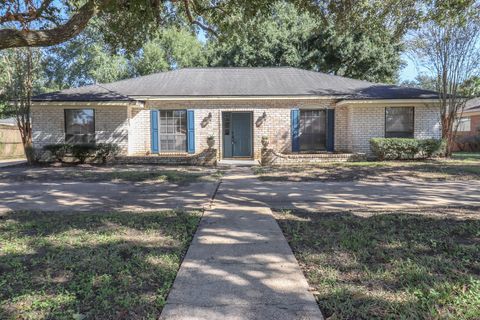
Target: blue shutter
<point x="190" y="131"/>
<point x="330" y="130"/>
<point x="295" y="119"/>
<point x="154" y="130"/>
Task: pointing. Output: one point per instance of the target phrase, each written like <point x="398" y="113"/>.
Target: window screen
<point x="79" y="126"/>
<point x="463" y="124"/>
<point x="399" y="122"/>
<point x="312" y="134"/>
<point x="173" y="130"/>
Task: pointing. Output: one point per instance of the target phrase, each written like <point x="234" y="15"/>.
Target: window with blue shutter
<point x="190" y="131"/>
<point x="154" y="130"/>
<point x="295" y="119"/>
<point x="330" y="130"/>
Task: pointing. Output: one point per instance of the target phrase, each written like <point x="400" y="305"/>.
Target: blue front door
<point x="237" y="134"/>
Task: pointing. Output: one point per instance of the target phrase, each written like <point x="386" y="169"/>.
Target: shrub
<point x="107" y="151"/>
<point x="468" y="143"/>
<point x="404" y="148"/>
<point x="83" y="151"/>
<point x="58" y="151"/>
<point x="431" y="147"/>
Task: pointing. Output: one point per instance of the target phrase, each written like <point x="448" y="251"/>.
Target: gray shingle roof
<point x="204" y="82"/>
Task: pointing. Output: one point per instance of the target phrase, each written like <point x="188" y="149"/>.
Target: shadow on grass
<point x="394" y="265"/>
<point x="90" y="265"/>
<point x="89" y="173"/>
<point x="428" y="170"/>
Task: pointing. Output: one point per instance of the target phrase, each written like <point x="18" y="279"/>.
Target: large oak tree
<point x="127" y="23"/>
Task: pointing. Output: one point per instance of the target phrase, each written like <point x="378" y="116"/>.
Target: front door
<point x="237" y="134"/>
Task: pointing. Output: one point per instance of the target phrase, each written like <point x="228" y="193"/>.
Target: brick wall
<point x="111" y="125"/>
<point x="208" y="120"/>
<point x="130" y="126"/>
<point x="427" y="123"/>
<point x="139" y="131"/>
<point x="367" y="122"/>
<point x="464" y="139"/>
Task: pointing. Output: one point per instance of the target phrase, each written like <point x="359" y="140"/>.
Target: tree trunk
<point x="27" y="141"/>
<point x="29" y="152"/>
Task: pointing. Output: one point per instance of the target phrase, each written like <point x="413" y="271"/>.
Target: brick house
<point x="468" y="130"/>
<point x="171" y="114"/>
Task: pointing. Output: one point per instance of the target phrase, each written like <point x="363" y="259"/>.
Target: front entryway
<point x="237" y="134"/>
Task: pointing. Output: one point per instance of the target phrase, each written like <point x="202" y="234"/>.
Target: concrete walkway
<point x="11" y="162"/>
<point x="239" y="266"/>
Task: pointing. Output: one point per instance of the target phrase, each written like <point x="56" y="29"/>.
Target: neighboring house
<point x="468" y="130"/>
<point x="173" y="113"/>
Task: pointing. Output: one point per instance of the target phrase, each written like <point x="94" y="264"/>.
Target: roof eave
<point x="236" y="97"/>
<point x="87" y="103"/>
<point x="392" y="101"/>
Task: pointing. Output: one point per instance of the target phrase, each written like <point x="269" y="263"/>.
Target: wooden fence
<point x="10" y="142"/>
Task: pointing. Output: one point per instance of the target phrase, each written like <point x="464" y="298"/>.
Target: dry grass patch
<point x="390" y="265"/>
<point x="115" y="173"/>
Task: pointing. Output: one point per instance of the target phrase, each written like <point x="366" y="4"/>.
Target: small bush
<point x="83" y="151"/>
<point x="107" y="151"/>
<point x="58" y="151"/>
<point x="431" y="147"/>
<point x="404" y="148"/>
<point x="468" y="143"/>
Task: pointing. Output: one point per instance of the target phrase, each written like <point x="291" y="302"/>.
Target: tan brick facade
<point x="111" y="125"/>
<point x="208" y="120"/>
<point x="129" y="126"/>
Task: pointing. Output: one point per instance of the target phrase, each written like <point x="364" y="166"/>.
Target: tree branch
<point x="196" y="22"/>
<point x="26" y="17"/>
<point x="11" y="38"/>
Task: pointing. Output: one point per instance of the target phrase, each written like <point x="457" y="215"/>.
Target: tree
<point x="83" y="60"/>
<point x="448" y="46"/>
<point x="275" y="39"/>
<point x="170" y="48"/>
<point x="126" y="24"/>
<point x="318" y="39"/>
<point x="19" y="80"/>
<point x="87" y="59"/>
<point x="421" y="81"/>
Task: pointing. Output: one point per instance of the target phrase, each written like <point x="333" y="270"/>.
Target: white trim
<point x="87" y="103"/>
<point x="470" y="113"/>
<point x="140" y="100"/>
<point x="384" y="102"/>
<point x="204" y="98"/>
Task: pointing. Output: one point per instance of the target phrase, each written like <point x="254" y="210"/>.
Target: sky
<point x="410" y="71"/>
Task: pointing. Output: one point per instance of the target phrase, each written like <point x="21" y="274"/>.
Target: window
<point x="399" y="122"/>
<point x="173" y="130"/>
<point x="312" y="134"/>
<point x="79" y="126"/>
<point x="464" y="124"/>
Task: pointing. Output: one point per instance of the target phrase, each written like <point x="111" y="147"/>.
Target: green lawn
<point x="455" y="169"/>
<point x="391" y="265"/>
<point x="466" y="155"/>
<point x="90" y="265"/>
